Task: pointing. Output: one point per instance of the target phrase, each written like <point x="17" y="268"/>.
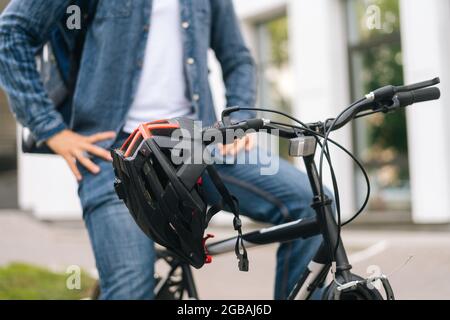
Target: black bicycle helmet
<point x="165" y="196"/>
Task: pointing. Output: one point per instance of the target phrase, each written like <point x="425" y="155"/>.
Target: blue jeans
<point x="125" y="256"/>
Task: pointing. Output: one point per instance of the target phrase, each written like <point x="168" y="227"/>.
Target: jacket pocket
<point x="108" y="9"/>
<point x="203" y="11"/>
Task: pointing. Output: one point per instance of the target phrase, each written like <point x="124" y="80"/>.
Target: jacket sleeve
<point x="24" y="27"/>
<point x="236" y="61"/>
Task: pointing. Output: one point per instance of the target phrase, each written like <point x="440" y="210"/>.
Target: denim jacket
<point x="112" y="62"/>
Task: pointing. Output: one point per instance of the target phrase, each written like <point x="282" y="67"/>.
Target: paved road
<point x="425" y="276"/>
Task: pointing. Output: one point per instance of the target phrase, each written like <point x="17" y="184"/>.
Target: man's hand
<point x="232" y="149"/>
<point x="74" y="148"/>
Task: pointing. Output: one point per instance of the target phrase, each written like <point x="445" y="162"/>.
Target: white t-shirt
<point x="161" y="92"/>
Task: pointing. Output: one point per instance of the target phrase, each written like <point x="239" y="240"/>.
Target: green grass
<point x="19" y="281"/>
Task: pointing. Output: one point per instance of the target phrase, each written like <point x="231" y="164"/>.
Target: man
<point x="145" y="60"/>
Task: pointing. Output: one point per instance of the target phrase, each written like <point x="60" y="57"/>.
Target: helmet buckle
<point x="208" y="258"/>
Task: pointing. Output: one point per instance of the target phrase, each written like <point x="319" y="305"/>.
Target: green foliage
<point x="20" y="281"/>
<point x="274" y="62"/>
<point x="377" y="61"/>
<point x="381" y="56"/>
<point x="279" y="40"/>
<point x="386" y="68"/>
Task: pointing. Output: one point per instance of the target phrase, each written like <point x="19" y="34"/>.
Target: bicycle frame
<point x="385" y="99"/>
<point x="322" y="224"/>
<point x="304" y="139"/>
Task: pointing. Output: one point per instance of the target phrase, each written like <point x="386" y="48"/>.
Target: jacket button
<point x="146" y="28"/>
<point x="196" y="97"/>
<point x="190" y="61"/>
<point x="185" y="25"/>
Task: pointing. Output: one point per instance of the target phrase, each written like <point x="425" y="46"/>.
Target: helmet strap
<point x="231" y="202"/>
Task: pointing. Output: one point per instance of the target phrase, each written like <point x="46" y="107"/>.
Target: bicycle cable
<point x="332" y="172"/>
<point x="317" y="134"/>
<point x="354" y="159"/>
<point x="324" y="149"/>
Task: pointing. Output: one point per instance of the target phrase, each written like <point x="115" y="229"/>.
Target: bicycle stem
<point x="325" y="217"/>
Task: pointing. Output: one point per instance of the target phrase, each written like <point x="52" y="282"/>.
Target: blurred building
<point x="314" y="58"/>
<point x="8" y="152"/>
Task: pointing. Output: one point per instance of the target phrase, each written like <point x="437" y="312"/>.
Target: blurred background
<point x="313" y="59"/>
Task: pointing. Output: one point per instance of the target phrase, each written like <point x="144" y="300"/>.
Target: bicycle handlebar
<point x="385" y="99"/>
<point x="255" y="124"/>
<point x="349" y="115"/>
<point x="389" y="98"/>
<point x="387" y="92"/>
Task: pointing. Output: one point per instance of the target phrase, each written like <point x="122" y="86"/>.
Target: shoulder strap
<point x="88" y="10"/>
<point x="230" y="202"/>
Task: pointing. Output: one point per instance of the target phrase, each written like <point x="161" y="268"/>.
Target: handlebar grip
<point x="416" y="96"/>
<point x="255" y="124"/>
<point x="426" y="94"/>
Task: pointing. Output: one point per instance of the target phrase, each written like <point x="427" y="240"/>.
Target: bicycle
<point x="304" y="139"/>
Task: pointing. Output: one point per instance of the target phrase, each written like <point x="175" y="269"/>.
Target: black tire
<point x="361" y="292"/>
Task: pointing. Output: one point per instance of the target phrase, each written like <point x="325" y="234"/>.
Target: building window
<point x="381" y="141"/>
<point x="274" y="69"/>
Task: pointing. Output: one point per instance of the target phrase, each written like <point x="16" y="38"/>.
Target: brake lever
<point x="419" y="85"/>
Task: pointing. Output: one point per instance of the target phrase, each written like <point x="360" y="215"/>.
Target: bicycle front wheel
<point x="360" y="292"/>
